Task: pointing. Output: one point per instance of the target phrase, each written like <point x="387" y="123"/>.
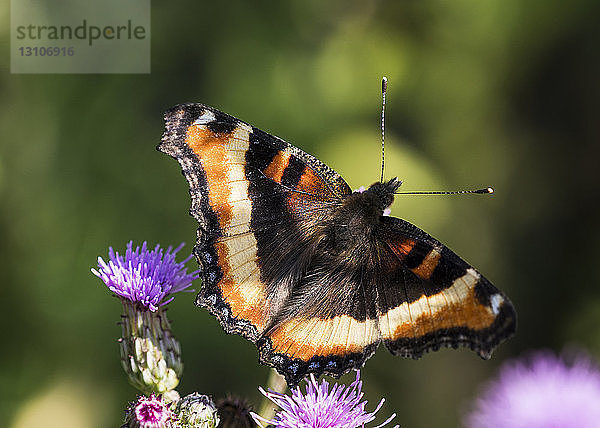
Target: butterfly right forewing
<point x="431" y="298"/>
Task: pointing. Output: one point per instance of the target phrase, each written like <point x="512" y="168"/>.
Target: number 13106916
<point x="46" y="51"/>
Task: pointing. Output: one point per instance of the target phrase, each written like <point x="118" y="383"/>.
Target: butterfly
<point x="311" y="272"/>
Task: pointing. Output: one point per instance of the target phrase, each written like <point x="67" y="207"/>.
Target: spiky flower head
<point x="147" y="278"/>
<point x="145" y="281"/>
<point x="541" y="391"/>
<point x="149" y="412"/>
<point x="319" y="407"/>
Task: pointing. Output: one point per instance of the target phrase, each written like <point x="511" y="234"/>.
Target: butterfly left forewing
<point x="211" y="149"/>
<point x="257" y="200"/>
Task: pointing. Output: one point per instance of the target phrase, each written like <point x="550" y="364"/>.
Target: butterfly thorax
<point x="353" y="221"/>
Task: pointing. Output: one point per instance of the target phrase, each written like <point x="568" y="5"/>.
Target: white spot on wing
<point x="474" y="274"/>
<point x="206" y="117"/>
<point x="496" y="301"/>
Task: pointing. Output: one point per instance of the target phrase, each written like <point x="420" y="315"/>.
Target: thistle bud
<point x="196" y="411"/>
<point x="150" y="355"/>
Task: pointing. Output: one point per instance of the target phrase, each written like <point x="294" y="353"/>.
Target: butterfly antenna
<point x="383" y="91"/>
<point x="487" y="190"/>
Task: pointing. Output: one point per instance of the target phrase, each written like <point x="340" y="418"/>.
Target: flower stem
<point x="278" y="384"/>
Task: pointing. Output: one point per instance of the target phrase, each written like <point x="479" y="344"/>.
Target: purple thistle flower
<point x="145" y="277"/>
<point x="320" y="408"/>
<point x="151" y="412"/>
<point x="540" y="392"/>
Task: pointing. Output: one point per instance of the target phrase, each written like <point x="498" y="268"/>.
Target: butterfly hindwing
<point x="402" y="287"/>
<point x="329" y="322"/>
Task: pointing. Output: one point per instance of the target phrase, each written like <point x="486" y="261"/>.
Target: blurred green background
<point x="495" y="92"/>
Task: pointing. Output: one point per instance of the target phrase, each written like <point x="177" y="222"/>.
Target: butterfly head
<point x="383" y="192"/>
